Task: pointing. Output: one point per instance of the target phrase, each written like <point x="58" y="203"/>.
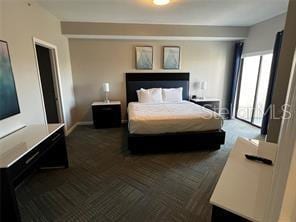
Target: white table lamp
<point x="106" y="88"/>
<point x="196" y="88"/>
<point x="203" y="87"/>
<point x="196" y="85"/>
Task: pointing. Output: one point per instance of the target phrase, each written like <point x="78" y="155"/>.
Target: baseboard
<point x="71" y="129"/>
<point x="85" y="123"/>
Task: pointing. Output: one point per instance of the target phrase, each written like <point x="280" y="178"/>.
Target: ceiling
<point x="187" y="12"/>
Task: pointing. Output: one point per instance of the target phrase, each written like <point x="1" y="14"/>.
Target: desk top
<point x="244" y="185"/>
<point x="16" y="145"/>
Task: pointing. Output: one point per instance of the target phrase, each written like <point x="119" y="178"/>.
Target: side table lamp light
<point x="203" y="87"/>
<point x="199" y="87"/>
<point x="106" y="88"/>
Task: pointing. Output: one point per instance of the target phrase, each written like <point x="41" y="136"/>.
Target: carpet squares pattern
<point x="106" y="183"/>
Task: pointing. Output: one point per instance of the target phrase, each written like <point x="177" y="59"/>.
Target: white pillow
<point x="153" y="95"/>
<point x="173" y="95"/>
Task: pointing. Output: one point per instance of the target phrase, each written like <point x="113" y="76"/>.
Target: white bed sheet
<point x="171" y="118"/>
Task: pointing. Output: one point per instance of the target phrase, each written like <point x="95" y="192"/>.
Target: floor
<point x="106" y="183"/>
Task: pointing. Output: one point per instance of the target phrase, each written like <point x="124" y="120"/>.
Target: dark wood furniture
<point x="221" y="215"/>
<point x="183" y="140"/>
<point x="212" y="104"/>
<point x="106" y="115"/>
<point x="176" y="141"/>
<point x="24" y="152"/>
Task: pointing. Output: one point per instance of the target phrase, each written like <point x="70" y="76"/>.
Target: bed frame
<point x="168" y="141"/>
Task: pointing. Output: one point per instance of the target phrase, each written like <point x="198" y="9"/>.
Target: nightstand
<point x="106" y="115"/>
<point x="209" y="103"/>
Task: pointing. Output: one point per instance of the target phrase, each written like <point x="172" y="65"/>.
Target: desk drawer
<point x="27" y="163"/>
<point x="50" y="141"/>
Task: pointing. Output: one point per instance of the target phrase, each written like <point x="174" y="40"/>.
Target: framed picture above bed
<point x="171" y="57"/>
<point x="144" y="57"/>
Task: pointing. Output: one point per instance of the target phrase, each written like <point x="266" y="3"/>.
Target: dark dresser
<point x="212" y="104"/>
<point x="24" y="152"/>
<point x="106" y="115"/>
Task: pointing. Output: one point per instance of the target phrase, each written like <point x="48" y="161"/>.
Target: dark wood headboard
<point x="135" y="81"/>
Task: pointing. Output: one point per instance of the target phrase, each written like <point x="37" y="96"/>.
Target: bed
<point x="169" y="125"/>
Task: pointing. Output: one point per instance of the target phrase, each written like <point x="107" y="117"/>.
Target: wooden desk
<point x="21" y="154"/>
<point x="244" y="186"/>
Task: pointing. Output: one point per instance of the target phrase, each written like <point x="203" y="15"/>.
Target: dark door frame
<point x="56" y="77"/>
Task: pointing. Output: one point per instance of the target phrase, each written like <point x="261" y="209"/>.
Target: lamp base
<point x="106" y="98"/>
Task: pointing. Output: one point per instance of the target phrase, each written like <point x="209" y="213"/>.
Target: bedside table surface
<point x="206" y="100"/>
<point x="100" y="103"/>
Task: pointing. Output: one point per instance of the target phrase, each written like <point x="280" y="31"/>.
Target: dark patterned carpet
<point x="106" y="183"/>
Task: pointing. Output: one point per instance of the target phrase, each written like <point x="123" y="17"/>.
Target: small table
<point x="243" y="190"/>
<point x="209" y="103"/>
<point x="106" y="115"/>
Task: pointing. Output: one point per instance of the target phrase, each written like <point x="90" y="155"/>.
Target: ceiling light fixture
<point x="161" y="2"/>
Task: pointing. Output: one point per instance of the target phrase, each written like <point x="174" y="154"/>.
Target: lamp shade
<point x="106" y="87"/>
<point x="203" y="85"/>
<point x="196" y="85"/>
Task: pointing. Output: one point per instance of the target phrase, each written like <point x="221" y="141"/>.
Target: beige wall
<point x="1" y="19"/>
<point x="20" y="24"/>
<point x="283" y="72"/>
<point x="289" y="203"/>
<point x="261" y="36"/>
<point x="97" y="61"/>
<point x="153" y="30"/>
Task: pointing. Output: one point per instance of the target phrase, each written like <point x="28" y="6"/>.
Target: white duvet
<point x="171" y="118"/>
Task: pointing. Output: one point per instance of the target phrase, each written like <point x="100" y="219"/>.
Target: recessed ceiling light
<point x="161" y="2"/>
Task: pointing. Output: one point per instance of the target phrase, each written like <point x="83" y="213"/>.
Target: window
<point x="253" y="87"/>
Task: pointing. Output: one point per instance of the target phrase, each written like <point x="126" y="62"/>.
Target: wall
<point x="283" y="195"/>
<point x="283" y="73"/>
<point x="289" y="203"/>
<point x="14" y="122"/>
<point x="21" y="23"/>
<point x="262" y="35"/>
<point x="97" y="61"/>
<point x="1" y="19"/>
<point x="285" y="160"/>
<point x="90" y="29"/>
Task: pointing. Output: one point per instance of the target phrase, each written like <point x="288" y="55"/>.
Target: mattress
<point x="171" y="118"/>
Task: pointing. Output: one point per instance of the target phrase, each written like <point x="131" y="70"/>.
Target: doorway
<point x="252" y="90"/>
<point x="46" y="60"/>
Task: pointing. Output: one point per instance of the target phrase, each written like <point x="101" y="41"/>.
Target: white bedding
<point x="171" y="118"/>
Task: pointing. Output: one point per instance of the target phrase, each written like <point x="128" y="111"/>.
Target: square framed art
<point x="144" y="57"/>
<point x="171" y="57"/>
